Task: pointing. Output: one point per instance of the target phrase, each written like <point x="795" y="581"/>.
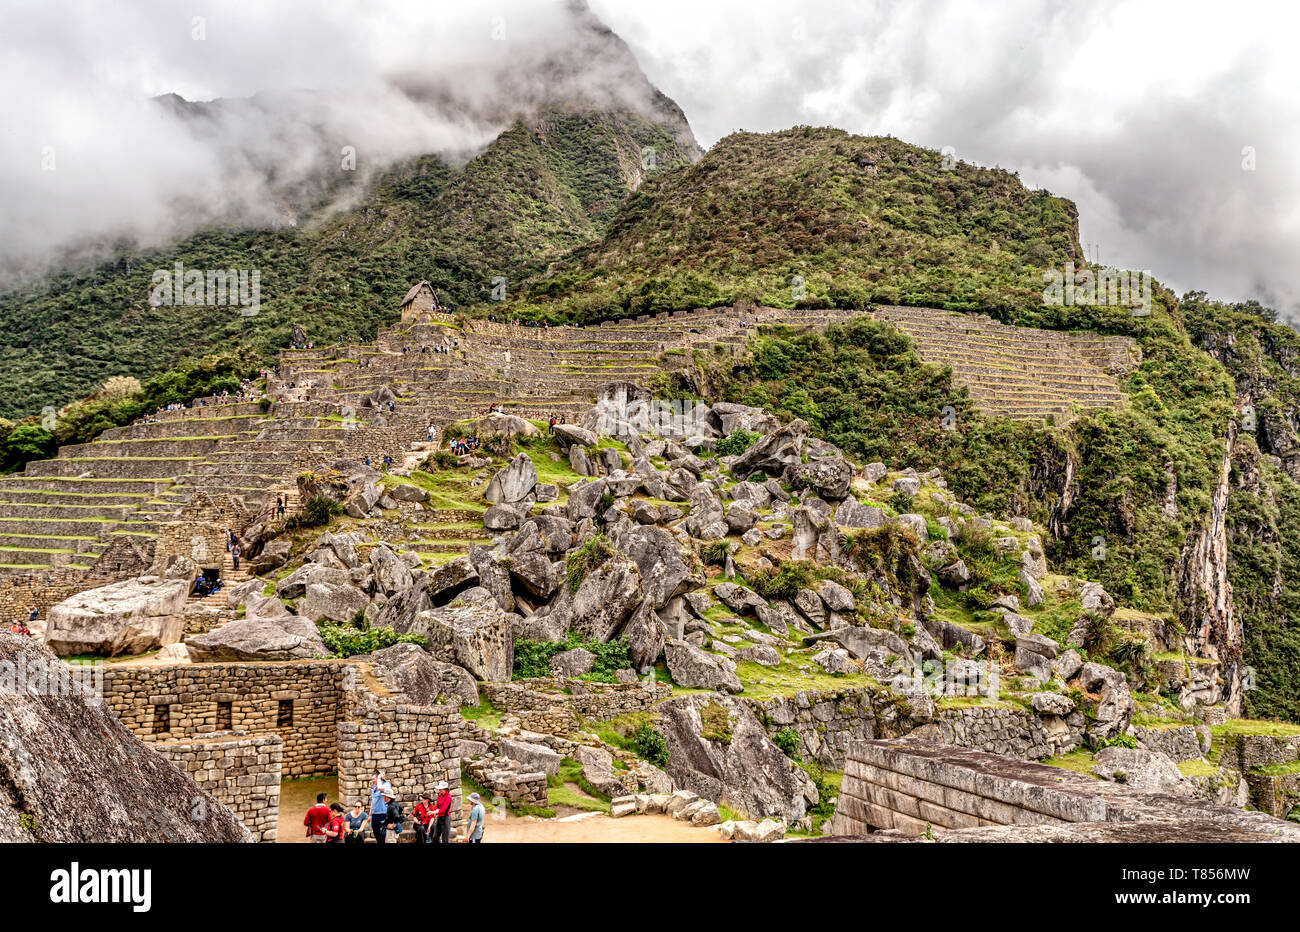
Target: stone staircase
<point x="1020" y="372"/>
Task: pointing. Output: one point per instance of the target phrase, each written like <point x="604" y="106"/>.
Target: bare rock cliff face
<point x="71" y="772"/>
<point x="1205" y="594"/>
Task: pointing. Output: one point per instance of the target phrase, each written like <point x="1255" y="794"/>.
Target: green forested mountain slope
<point x="536" y="192"/>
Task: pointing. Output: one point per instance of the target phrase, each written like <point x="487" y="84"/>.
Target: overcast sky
<point x="1138" y="111"/>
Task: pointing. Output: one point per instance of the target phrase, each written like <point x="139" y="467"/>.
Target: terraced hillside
<point x="1020" y="372"/>
<point x="63" y="512"/>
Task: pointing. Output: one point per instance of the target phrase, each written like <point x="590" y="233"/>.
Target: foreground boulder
<point x="288" y="638"/>
<point x="77" y="775"/>
<point x="129" y="617"/>
<point x="718" y="749"/>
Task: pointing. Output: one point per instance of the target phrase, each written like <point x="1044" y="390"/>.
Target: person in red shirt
<point x="442" y="816"/>
<point x="424" y="814"/>
<point x="317" y="818"/>
<point x="336" y="827"/>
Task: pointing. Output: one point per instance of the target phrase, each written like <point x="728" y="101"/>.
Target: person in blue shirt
<point x="381" y="791"/>
<point x="474" y="828"/>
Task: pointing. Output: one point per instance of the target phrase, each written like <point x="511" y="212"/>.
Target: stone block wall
<point x="914" y="785"/>
<point x="301" y="702"/>
<point x="199" y="531"/>
<point x="242" y="771"/>
<point x="416" y="747"/>
<point x="827" y="722"/>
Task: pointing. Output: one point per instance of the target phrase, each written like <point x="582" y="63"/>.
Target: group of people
<point x="332" y="824"/>
<point x="205" y="586"/>
<point x="462" y="445"/>
<point x="23" y="627"/>
<point x="556" y="420"/>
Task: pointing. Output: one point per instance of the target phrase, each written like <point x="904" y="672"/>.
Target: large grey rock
<point x="665" y="571"/>
<point x="505" y="516"/>
<point x="1115" y="703"/>
<point x="774" y="453"/>
<point x="606" y="598"/>
<point x="644" y="631"/>
<point x="706" y="519"/>
<point x="449" y="580"/>
<point x="274" y="554"/>
<point x="1143" y="770"/>
<point x="513" y="483"/>
<point x="71" y="772"/>
<point x="412" y="494"/>
<point x="574" y="662"/>
<point x="762" y="654"/>
<point x="827" y="476"/>
<point x="360" y="504"/>
<point x="1034" y="655"/>
<point x="863" y="642"/>
<point x="726" y="417"/>
<point x="392" y="575"/>
<point x="294" y="585"/>
<point x="572" y="435"/>
<point x="854" y="514"/>
<point x="534" y="574"/>
<point x="693" y="667"/>
<point x="837" y="598"/>
<point x="286" y="638"/>
<point x="1033" y="591"/>
<point x="473" y="633"/>
<point x="748" y="771"/>
<point x="584" y="498"/>
<point x="1094" y="598"/>
<point x="835" y="660"/>
<point x="549" y="623"/>
<point x="409" y="669"/>
<point x="537" y="757"/>
<point x="128" y="617"/>
<point x="493" y="576"/>
<point x="326" y="602"/>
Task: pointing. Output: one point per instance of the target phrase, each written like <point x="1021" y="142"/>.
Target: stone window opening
<point x="162" y="718"/>
<point x="284" y="717"/>
<point x="225" y="716"/>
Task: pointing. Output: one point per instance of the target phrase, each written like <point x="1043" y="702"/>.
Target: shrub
<point x="785" y="583"/>
<point x="736" y="442"/>
<point x="356" y="637"/>
<point x="533" y="658"/>
<point x="651" y="745"/>
<point x="787" y="739"/>
<point x="444" y="459"/>
<point x="319" y="510"/>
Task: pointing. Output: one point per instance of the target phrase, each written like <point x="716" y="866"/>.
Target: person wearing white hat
<point x="474" y="828"/>
<point x="442" y="815"/>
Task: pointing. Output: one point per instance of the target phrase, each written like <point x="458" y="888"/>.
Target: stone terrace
<point x="1020" y="372"/>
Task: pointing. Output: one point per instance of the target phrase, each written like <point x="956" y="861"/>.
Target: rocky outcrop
<point x="409" y="669"/>
<point x="690" y="666"/>
<point x="718" y="749"/>
<point x="472" y="632"/>
<point x="514" y="483"/>
<point x="71" y="772"/>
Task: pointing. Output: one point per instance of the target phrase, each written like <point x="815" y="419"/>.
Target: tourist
<point x="337" y="827"/>
<point x="234" y="556"/>
<point x="380" y="792"/>
<point x="552" y="423"/>
<point x="356" y="822"/>
<point x="230" y="539"/>
<point x="442" y="810"/>
<point x="474" y="827"/>
<point x="32" y="615"/>
<point x="316" y="819"/>
<point x="279" y="506"/>
<point x="423" y="816"/>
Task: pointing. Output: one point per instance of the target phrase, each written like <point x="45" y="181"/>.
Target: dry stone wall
<point x="301" y="702"/>
<point x="242" y="771"/>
